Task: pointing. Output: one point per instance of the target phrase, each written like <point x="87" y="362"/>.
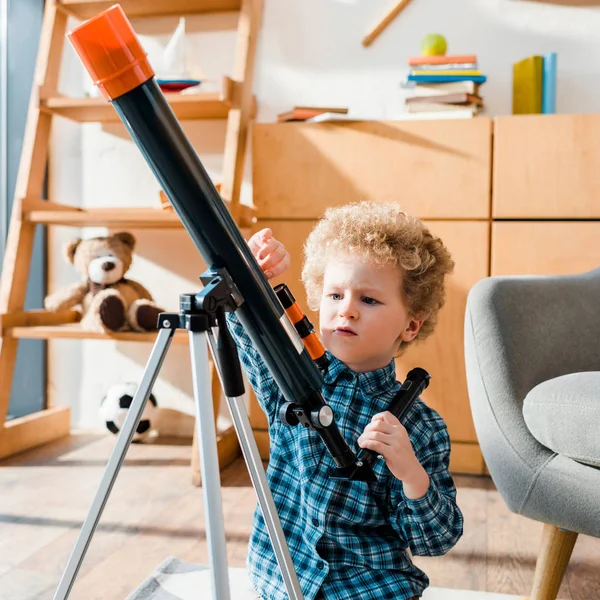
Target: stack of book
<point x="445" y="86"/>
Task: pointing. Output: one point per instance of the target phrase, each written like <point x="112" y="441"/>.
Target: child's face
<point x="363" y="316"/>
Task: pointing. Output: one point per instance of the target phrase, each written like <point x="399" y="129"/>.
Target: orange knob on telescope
<point x="302" y="325"/>
<point x="111" y="52"/>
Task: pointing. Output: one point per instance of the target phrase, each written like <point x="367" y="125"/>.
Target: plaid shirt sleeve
<point x="434" y="523"/>
<point x="260" y="378"/>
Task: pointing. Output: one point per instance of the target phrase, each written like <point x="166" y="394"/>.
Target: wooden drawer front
<point x="546" y="166"/>
<point x="434" y="169"/>
<point x="539" y="248"/>
<point x="442" y="354"/>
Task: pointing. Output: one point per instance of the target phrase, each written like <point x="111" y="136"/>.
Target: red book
<point x="414" y="61"/>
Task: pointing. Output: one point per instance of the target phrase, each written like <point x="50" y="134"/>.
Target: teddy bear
<point x="108" y="301"/>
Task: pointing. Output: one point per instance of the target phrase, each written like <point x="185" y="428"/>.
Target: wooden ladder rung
<point x="74" y="331"/>
<point x="33" y="318"/>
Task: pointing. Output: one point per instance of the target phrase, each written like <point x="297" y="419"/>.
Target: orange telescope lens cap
<point x="111" y="52"/>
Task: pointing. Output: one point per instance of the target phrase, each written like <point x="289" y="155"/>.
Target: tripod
<point x="203" y="316"/>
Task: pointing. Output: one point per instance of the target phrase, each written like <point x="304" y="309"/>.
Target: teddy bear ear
<point x="71" y="248"/>
<point x="127" y="238"/>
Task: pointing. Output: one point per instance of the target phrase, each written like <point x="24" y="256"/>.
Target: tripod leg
<point x="265" y="498"/>
<point x="209" y="465"/>
<point x="243" y="429"/>
<point x="157" y="356"/>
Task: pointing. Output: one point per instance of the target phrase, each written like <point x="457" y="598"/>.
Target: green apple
<point x="433" y="44"/>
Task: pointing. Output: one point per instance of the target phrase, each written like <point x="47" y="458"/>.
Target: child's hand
<point x="270" y="253"/>
<point x="388" y="437"/>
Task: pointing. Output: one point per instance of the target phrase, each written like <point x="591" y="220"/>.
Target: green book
<point x="528" y="85"/>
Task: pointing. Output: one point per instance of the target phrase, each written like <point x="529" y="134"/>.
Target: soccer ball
<point x="116" y="403"/>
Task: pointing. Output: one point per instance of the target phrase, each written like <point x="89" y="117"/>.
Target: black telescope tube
<point x="116" y="61"/>
<point x="158" y="134"/>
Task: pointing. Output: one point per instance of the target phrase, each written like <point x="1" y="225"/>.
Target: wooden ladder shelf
<point x="234" y="102"/>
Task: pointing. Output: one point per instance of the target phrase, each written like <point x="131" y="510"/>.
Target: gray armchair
<point x="532" y="349"/>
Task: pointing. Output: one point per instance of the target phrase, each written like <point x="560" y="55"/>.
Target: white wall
<point x="310" y="52"/>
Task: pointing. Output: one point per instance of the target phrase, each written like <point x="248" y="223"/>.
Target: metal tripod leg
<point x="243" y="429"/>
<point x="157" y="356"/>
<point x="209" y="466"/>
<point x="209" y="462"/>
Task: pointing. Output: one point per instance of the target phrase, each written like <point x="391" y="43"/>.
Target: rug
<point x="176" y="579"/>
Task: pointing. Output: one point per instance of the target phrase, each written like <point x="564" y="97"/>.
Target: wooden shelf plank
<point x="127" y="218"/>
<point x="84" y="9"/>
<point x="139" y="218"/>
<point x="207" y="105"/>
<point x="75" y="331"/>
<point x="34" y="430"/>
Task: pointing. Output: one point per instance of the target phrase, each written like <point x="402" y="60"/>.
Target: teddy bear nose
<point x="108" y="266"/>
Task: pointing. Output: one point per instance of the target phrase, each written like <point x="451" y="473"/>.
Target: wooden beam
<point x="242" y="109"/>
<point x="33" y="318"/>
<point x="137" y="218"/>
<point x="31" y="204"/>
<point x="34" y="430"/>
<point x="73" y="331"/>
<point x="30" y="180"/>
<point x="228" y="449"/>
<point x="389" y="17"/>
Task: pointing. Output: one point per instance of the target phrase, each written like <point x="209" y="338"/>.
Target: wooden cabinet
<point x="546" y="167"/>
<point x="435" y="169"/>
<point x="538" y="214"/>
<point x="546" y="195"/>
<point x="439" y="171"/>
<point x="545" y="247"/>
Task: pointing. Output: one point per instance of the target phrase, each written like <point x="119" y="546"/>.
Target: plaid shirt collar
<point x="376" y="382"/>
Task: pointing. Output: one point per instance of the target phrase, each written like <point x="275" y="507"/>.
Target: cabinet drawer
<point x="433" y="169"/>
<point x="545" y="248"/>
<point x="546" y="166"/>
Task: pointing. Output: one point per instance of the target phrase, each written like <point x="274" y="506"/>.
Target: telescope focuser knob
<point x="322" y="417"/>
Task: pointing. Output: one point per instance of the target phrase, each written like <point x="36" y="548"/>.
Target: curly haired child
<point x="377" y="277"/>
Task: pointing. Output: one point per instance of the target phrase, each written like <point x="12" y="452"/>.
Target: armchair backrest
<point x="520" y="331"/>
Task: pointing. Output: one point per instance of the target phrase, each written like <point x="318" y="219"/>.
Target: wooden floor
<point x="155" y="512"/>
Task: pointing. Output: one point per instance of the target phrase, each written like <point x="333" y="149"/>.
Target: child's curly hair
<point x="383" y="234"/>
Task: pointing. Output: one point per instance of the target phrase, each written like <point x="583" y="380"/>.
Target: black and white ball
<point x="116" y="403"/>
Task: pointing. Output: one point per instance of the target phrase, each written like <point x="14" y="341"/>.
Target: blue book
<point x="549" y="83"/>
<point x="446" y="78"/>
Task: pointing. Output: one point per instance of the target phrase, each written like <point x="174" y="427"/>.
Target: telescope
<point x="233" y="282"/>
<point x="118" y="65"/>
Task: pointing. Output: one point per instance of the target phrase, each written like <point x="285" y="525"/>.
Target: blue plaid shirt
<point x="349" y="539"/>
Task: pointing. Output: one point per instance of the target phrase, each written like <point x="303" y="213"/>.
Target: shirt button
<point x="320" y="565"/>
<point x="316" y="522"/>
